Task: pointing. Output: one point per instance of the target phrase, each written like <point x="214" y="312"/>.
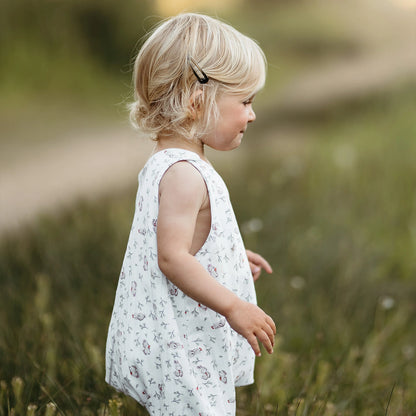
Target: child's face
<point x="235" y="112"/>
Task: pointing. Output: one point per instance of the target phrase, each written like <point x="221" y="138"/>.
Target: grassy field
<point x="332" y="205"/>
<point x="336" y="216"/>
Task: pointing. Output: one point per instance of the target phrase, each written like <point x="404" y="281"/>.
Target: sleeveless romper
<point x="172" y="354"/>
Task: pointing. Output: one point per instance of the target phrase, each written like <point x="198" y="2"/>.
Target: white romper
<point x="172" y="354"/>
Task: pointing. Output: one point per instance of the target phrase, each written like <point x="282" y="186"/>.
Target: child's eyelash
<point x="249" y="100"/>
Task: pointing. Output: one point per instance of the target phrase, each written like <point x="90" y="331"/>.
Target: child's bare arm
<point x="182" y="193"/>
<point x="257" y="263"/>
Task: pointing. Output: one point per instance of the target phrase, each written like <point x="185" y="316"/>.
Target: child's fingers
<point x="252" y="340"/>
<point x="259" y="261"/>
<point x="266" y="334"/>
<point x="255" y="270"/>
<point x="271" y="323"/>
<point x="271" y="337"/>
<point x="271" y="329"/>
<point x="267" y="267"/>
<point x="264" y="338"/>
<point x="263" y="263"/>
<point x="254" y="324"/>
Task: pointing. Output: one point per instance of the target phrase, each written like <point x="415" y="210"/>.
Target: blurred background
<point x="324" y="186"/>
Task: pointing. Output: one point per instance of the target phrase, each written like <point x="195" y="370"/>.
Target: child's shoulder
<point x="182" y="178"/>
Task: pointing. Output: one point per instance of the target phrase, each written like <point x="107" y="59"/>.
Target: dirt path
<point x="326" y="88"/>
<point x="53" y="176"/>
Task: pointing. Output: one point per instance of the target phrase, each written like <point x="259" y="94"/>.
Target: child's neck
<point x="169" y="142"/>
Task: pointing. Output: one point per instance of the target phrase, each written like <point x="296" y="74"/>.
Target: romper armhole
<point x="208" y="196"/>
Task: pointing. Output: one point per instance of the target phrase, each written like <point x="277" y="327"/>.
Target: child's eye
<point x="249" y="100"/>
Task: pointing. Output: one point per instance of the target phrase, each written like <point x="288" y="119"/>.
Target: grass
<point x="336" y="217"/>
<point x="338" y="221"/>
<point x="333" y="211"/>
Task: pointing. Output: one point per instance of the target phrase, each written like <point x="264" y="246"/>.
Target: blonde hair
<point x="165" y="84"/>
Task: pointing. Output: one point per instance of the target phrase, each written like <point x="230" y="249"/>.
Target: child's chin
<point x="233" y="146"/>
<point x="230" y="146"/>
<point x="238" y="141"/>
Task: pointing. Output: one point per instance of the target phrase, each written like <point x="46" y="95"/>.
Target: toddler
<point x="185" y="326"/>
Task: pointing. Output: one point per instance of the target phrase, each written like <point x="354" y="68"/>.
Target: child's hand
<point x="257" y="263"/>
<point x="253" y="324"/>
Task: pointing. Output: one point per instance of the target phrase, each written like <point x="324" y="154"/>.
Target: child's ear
<point x="195" y="104"/>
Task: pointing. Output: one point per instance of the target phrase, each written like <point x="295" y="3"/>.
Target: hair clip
<point x="202" y="79"/>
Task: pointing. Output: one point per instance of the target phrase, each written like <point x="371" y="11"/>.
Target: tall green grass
<point x="336" y="216"/>
<point x="67" y="57"/>
<point x="339" y="223"/>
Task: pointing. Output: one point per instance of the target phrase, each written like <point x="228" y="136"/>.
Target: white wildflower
<point x="387" y="302"/>
<point x="297" y="282"/>
<point x="408" y="352"/>
<point x="252" y="226"/>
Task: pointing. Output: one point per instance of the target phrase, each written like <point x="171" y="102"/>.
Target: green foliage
<point x="67" y="46"/>
<point x="337" y="221"/>
<point x="338" y="216"/>
<point x="52" y="279"/>
<point x="297" y="36"/>
<point x="335" y="214"/>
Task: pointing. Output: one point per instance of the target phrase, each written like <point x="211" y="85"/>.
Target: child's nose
<point x="251" y="115"/>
